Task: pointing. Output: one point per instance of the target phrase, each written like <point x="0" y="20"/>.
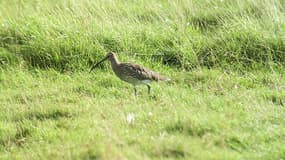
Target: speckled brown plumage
<point x="132" y="73"/>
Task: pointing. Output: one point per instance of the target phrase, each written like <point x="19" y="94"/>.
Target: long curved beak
<point x="96" y="65"/>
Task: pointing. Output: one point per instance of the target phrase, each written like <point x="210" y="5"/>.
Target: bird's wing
<point x="141" y="72"/>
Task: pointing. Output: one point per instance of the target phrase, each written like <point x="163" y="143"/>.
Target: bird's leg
<point x="148" y="88"/>
<point x="135" y="89"/>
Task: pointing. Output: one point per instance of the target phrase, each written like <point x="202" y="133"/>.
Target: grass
<point x="69" y="35"/>
<point x="204" y="114"/>
<point x="225" y="58"/>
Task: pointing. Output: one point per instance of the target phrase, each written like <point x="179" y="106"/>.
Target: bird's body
<point x="132" y="73"/>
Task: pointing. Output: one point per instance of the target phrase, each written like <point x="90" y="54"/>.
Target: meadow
<point x="225" y="100"/>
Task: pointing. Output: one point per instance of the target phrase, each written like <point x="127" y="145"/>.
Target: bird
<point x="131" y="73"/>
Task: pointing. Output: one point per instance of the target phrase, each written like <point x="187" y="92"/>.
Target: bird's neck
<point x="114" y="62"/>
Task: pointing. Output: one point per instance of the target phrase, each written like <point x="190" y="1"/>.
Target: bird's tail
<point x="158" y="77"/>
<point x="163" y="78"/>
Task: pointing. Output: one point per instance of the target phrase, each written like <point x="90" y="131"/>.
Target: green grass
<point x="204" y="114"/>
<point x="69" y="35"/>
<point x="225" y="58"/>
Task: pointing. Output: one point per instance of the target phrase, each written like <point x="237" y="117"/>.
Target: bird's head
<point x="109" y="56"/>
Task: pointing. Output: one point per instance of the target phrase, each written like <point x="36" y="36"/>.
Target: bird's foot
<point x="154" y="97"/>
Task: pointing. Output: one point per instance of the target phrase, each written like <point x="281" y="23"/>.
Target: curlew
<point x="132" y="73"/>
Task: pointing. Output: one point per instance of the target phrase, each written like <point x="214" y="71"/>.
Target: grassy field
<point x="225" y="58"/>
